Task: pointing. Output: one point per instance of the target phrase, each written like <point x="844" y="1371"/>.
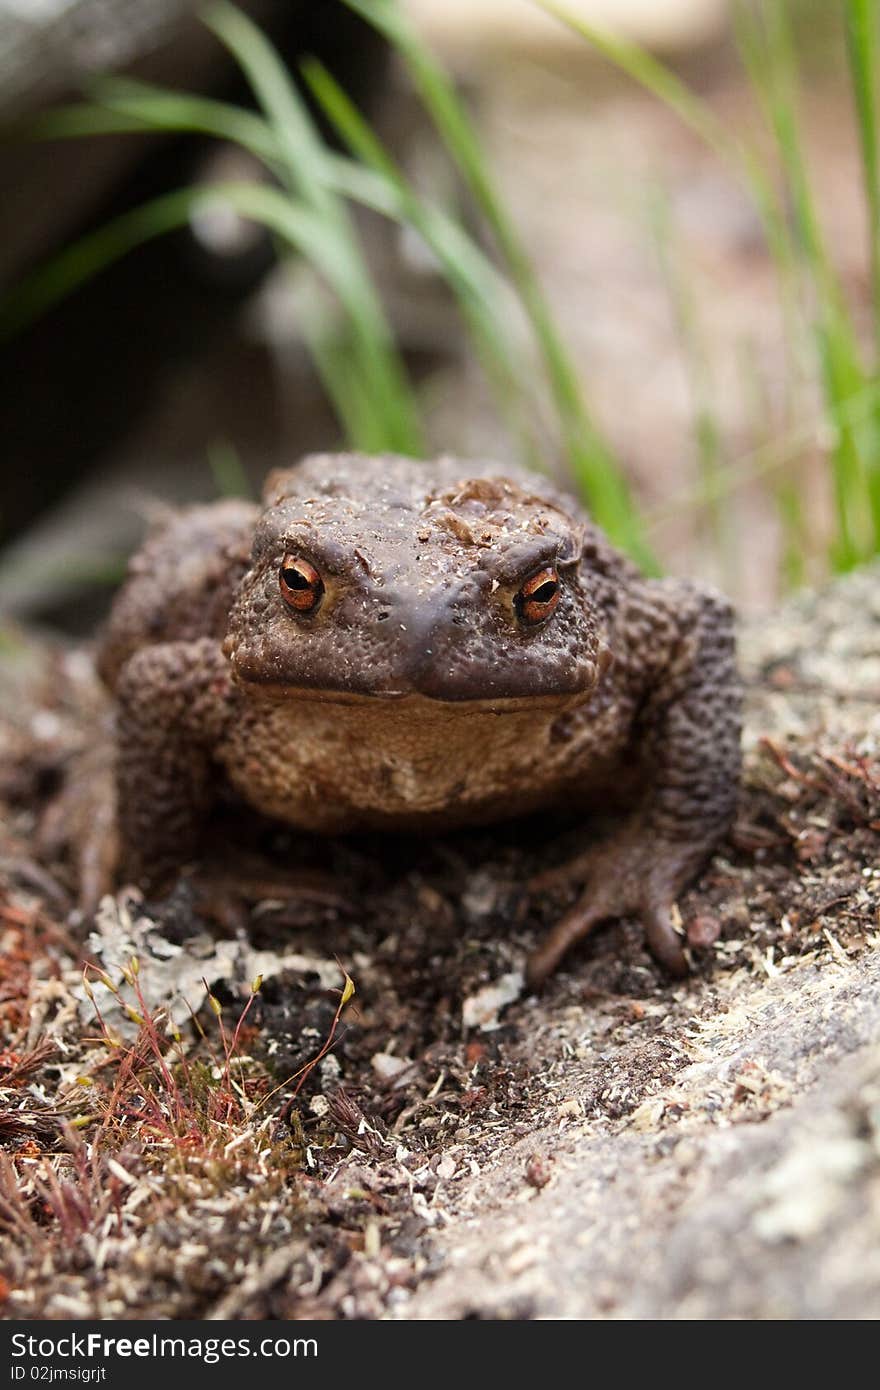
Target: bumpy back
<point x="180" y="583"/>
<point x="411" y="482"/>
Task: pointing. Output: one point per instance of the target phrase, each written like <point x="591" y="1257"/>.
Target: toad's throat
<point x="406" y="763"/>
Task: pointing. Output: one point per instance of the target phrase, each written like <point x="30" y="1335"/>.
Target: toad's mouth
<point x="277" y="691"/>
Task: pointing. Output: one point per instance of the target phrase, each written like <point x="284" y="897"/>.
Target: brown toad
<point x="416" y="646"/>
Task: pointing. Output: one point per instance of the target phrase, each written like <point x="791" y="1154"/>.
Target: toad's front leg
<point x="688" y="728"/>
<point x="173" y="701"/>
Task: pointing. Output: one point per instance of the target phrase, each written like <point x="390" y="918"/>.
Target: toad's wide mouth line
<point x="489" y="704"/>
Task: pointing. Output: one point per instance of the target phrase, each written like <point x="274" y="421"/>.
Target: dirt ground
<point x="619" y="1146"/>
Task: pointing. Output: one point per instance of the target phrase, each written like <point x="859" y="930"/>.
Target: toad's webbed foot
<point x="624" y="877"/>
<point x="687" y="732"/>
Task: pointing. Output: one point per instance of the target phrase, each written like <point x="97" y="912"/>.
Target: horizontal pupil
<point x="295" y="580"/>
<point x="545" y="594"/>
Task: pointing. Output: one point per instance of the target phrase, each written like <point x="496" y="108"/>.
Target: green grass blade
<point x="864" y="62"/>
<point x="299" y="228"/>
<point x="77" y="121"/>
<point x="479" y="289"/>
<point x="790" y="506"/>
<point x="337" y="368"/>
<point x="130" y="105"/>
<point x="230" y="478"/>
<point x="88" y="256"/>
<point x="134" y="105"/>
<point x="120" y="105"/>
<point x="739" y="156"/>
<point x="300" y="144"/>
<point x="863" y="50"/>
<point x="767" y="45"/>
<point x="770" y="457"/>
<point x="843" y="377"/>
<point x="706" y="430"/>
<point x="654" y="77"/>
<point x="303" y="157"/>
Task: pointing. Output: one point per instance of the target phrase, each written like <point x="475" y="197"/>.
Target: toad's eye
<point x="301" y="585"/>
<point x="538" y="597"/>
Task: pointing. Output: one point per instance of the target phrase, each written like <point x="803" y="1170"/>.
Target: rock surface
<point x="748" y="1185"/>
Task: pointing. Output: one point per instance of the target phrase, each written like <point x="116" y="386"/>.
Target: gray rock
<point x="746" y="1184"/>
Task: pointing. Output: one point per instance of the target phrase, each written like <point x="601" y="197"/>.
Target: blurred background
<point x="634" y="241"/>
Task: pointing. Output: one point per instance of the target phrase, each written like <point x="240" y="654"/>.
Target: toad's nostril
<point x="381" y="617"/>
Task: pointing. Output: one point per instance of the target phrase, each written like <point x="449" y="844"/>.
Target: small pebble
<point x="703" y="930"/>
<point x="538" y="1171"/>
